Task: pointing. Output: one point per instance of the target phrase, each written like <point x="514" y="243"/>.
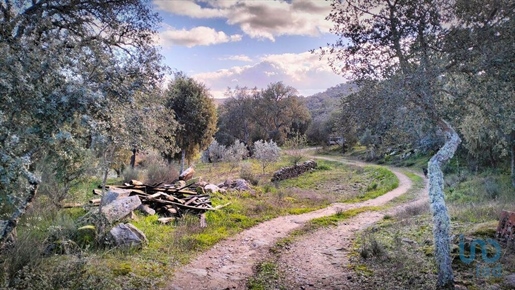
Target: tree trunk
<point x="8" y="226"/>
<point x="183" y="157"/>
<point x="513" y="163"/>
<point x="441" y="221"/>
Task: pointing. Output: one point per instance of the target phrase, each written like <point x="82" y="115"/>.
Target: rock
<point x="180" y="184"/>
<point x="509" y="281"/>
<point x="211" y="188"/>
<point x="293" y="171"/>
<point x="127" y="235"/>
<point x="146" y="209"/>
<point x="187" y="174"/>
<point x="120" y="208"/>
<point x="113" y="194"/>
<point x="241" y="185"/>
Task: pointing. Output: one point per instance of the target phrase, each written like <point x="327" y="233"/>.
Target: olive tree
<point x="62" y="61"/>
<point x="266" y="152"/>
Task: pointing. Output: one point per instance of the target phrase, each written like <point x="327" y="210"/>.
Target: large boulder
<point x="120" y="208"/>
<point x="113" y="194"/>
<point x="187" y="174"/>
<point x="127" y="235"/>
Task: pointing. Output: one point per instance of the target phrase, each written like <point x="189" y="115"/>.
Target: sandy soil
<point x="316" y="261"/>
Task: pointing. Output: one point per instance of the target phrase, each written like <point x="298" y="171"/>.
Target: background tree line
<point x="249" y="115"/>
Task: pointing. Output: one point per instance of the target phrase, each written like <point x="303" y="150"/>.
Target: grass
<point x="405" y="240"/>
<point x="173" y="245"/>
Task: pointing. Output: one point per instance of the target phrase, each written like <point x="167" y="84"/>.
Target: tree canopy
<point x="195" y="113"/>
<point x="62" y="62"/>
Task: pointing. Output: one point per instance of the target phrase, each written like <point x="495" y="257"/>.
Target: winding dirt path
<point x="229" y="263"/>
<point x="320" y="260"/>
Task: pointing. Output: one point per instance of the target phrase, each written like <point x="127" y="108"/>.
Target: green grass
<point x="333" y="220"/>
<point x="177" y="243"/>
<point x="382" y="181"/>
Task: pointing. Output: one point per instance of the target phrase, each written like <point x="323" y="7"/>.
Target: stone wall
<point x="293" y="171"/>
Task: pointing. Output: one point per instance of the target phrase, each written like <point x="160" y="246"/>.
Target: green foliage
<point x="195" y="112"/>
<point x="266" y="152"/>
<point x="295" y="145"/>
<point x="269" y="114"/>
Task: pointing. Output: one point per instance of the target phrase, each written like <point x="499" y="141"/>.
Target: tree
<point x="482" y="63"/>
<point x="238" y="106"/>
<point x="400" y="42"/>
<point x="63" y="61"/>
<point x="278" y="110"/>
<point x="195" y="113"/>
<point x="267" y="152"/>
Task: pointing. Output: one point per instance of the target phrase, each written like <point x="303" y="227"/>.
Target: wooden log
<point x="95" y="201"/>
<point x="166" y="220"/>
<point x="97" y="191"/>
<point x="72" y="205"/>
<point x="191" y="200"/>
<point x="136" y="182"/>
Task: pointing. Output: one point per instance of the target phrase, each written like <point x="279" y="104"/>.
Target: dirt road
<point x="314" y="260"/>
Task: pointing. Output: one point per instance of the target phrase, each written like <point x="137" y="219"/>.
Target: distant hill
<point x="219" y="101"/>
<point x="324" y="103"/>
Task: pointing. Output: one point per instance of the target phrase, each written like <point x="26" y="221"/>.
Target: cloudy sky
<point x="225" y="43"/>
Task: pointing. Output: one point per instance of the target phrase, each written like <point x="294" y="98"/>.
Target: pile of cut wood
<point x="169" y="201"/>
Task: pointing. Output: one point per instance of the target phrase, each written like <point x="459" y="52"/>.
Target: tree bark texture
<point x="8" y="226"/>
<point x="441" y="221"/>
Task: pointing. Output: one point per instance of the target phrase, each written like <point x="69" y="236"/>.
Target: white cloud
<point x="303" y="71"/>
<point x="259" y="19"/>
<point x="189" y="8"/>
<point x="239" y="57"/>
<point x="200" y="35"/>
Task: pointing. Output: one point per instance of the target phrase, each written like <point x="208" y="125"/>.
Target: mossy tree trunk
<point x="441" y="221"/>
<point x="7" y="227"/>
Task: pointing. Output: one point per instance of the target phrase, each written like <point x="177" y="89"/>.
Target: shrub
<point x="157" y="170"/>
<point x="370" y="247"/>
<point x="247" y="174"/>
<point x="235" y="153"/>
<point x="214" y="153"/>
<point x="267" y="152"/>
<point x="131" y="174"/>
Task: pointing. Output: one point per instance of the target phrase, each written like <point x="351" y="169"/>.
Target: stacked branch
<point x="168" y="200"/>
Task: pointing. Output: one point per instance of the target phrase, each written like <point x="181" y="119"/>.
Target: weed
<point x="266" y="277"/>
<point x="370" y="247"/>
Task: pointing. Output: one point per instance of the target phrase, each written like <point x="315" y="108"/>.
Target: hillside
<point x="324" y="103"/>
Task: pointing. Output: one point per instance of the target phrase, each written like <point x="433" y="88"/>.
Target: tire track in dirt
<point x="229" y="263"/>
<point x="320" y="260"/>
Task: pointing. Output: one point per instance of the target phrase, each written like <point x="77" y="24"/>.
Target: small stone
<point x="509" y="281"/>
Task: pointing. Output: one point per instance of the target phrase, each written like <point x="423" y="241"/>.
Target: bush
<point x="157" y="170"/>
<point x="214" y="153"/>
<point x="247" y="174"/>
<point x="131" y="174"/>
<point x="267" y="152"/>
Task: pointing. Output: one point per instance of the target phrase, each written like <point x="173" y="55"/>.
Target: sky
<point x="252" y="43"/>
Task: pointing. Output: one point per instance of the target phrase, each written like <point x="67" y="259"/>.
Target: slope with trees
<point x="427" y="71"/>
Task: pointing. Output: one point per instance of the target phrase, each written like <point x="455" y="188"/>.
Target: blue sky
<point x="248" y="43"/>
